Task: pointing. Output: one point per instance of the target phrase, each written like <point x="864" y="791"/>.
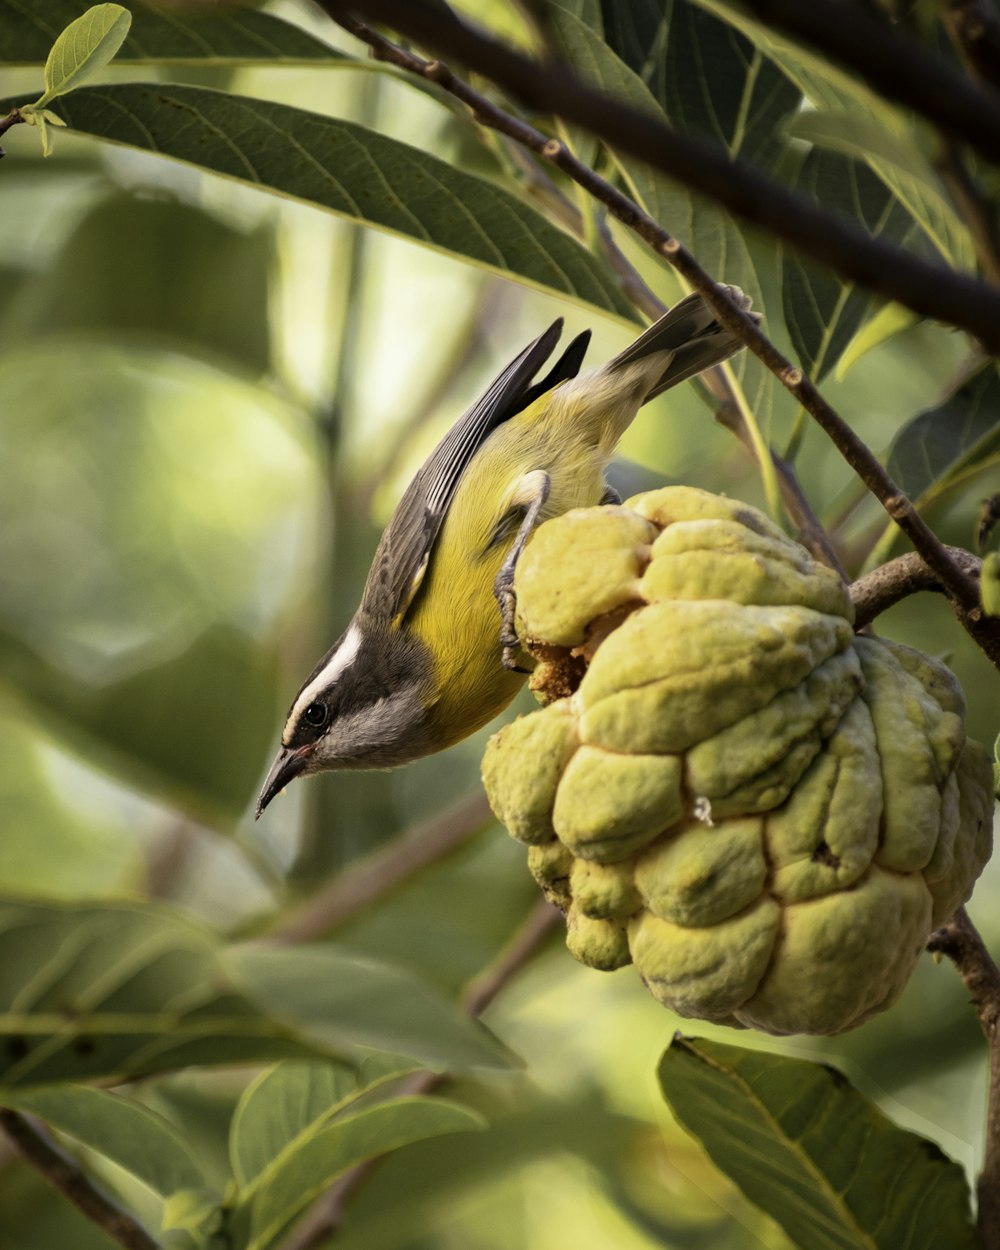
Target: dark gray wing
<point x="405" y="548"/>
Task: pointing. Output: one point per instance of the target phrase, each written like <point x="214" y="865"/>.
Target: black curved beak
<point x="288" y="763"/>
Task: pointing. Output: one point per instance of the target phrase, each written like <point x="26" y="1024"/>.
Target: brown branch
<point x="383" y="870"/>
<point x="960" y="941"/>
<point x="64" y="1174"/>
<point x="893" y="63"/>
<point x="835" y="241"/>
<point x="12" y="119"/>
<point x="328" y="1213"/>
<point x="907" y="575"/>
<point x="496" y="61"/>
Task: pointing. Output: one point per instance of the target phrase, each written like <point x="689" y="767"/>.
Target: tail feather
<point x="690" y="332"/>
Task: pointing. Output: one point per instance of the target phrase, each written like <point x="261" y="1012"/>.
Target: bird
<point x="431" y="654"/>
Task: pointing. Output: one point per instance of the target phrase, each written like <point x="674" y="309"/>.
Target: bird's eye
<point x="315" y="714"/>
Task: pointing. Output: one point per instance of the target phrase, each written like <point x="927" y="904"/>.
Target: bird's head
<point x="365" y="705"/>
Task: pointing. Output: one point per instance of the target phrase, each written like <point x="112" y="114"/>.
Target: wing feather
<point x="405" y="548"/>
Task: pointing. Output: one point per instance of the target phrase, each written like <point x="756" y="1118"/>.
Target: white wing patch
<point x="345" y="656"/>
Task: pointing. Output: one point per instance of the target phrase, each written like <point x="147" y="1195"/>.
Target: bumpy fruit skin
<point x="764" y="812"/>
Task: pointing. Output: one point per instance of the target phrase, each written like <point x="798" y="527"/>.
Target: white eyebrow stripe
<point x="346" y="655"/>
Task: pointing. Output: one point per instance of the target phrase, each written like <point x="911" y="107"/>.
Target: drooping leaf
<point x="322" y="1156"/>
<point x="822" y="310"/>
<point x="944" y="444"/>
<point x="142" y="1142"/>
<point x="805" y="1146"/>
<point x="281" y="1104"/>
<point x="185" y="35"/>
<point x="84" y="48"/>
<point x="343" y="999"/>
<point x="352" y="171"/>
<point x="122" y="990"/>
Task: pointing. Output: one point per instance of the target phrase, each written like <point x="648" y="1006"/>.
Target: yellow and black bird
<point x="431" y="655"/>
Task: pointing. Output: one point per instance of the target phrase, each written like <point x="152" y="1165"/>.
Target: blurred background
<point x="210" y="400"/>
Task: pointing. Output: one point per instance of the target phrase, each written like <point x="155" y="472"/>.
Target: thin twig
<point x="962" y="590"/>
<point x="834" y="240"/>
<point x="64" y="1174"/>
<point x="328" y="1213"/>
<point x="907" y="575"/>
<point x="383" y="870"/>
<point x="960" y="941"/>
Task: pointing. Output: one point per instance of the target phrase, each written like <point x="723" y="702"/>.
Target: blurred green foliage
<point x="209" y="400"/>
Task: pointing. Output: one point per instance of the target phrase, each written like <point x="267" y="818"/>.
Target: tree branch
<point x="960" y="941"/>
<point x="12" y="119"/>
<point x="382" y="871"/>
<point x="835" y="241"/>
<point x="65" y="1174"/>
<point x="907" y="575"/>
<point x="510" y="69"/>
<point x="327" y="1215"/>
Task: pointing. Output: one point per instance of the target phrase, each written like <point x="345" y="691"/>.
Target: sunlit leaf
<point x="354" y="172"/>
<point x="122" y="990"/>
<point x="823" y="310"/>
<point x="185" y="34"/>
<point x="146" y="1145"/>
<point x="804" y="1145"/>
<point x="322" y="1156"/>
<point x="343" y="999"/>
<point x="84" y="48"/>
<point x="945" y="443"/>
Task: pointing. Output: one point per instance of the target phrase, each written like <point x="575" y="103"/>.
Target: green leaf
<point x="139" y="1140"/>
<point x="84" y="47"/>
<point x="806" y="1147"/>
<point x="330" y="1151"/>
<point x="184" y="36"/>
<point x="355" y="173"/>
<point x="896" y="158"/>
<point x="944" y="444"/>
<point x="822" y="310"/>
<point x="708" y="78"/>
<point x="122" y="990"/>
<point x="889" y="139"/>
<point x="344" y="1000"/>
<point x="281" y="1104"/>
